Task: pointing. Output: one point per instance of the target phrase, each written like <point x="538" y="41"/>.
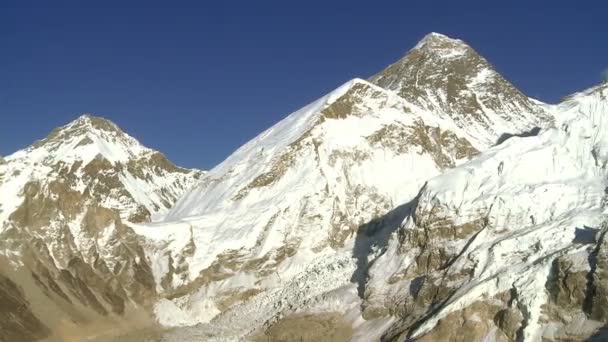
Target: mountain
<point x="290" y="222"/>
<point x="68" y="258"/>
<point x="447" y="77"/>
<point x="510" y="245"/>
<point x="364" y="215"/>
<point x="97" y="158"/>
<point x="292" y="200"/>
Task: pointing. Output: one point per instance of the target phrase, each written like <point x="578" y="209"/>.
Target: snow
<point x="537" y="192"/>
<point x="322" y="286"/>
<point x="67" y="148"/>
<point x="221" y="223"/>
<point x="163" y="240"/>
<point x="181" y="312"/>
<point x="434" y="36"/>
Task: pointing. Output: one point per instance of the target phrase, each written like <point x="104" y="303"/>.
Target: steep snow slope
<point x="450" y="79"/>
<point x="344" y="119"/>
<point x="509" y="244"/>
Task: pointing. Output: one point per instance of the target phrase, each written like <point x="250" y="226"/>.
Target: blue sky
<point x="199" y="79"/>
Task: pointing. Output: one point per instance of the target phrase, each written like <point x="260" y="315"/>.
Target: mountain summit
<point x="449" y="78"/>
<point x="88" y="137"/>
<point x="436" y="40"/>
<point x="96" y="155"/>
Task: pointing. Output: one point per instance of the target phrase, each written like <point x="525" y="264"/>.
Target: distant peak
<point x="83" y="129"/>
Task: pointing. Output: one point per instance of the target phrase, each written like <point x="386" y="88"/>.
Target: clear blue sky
<point x="198" y="80"/>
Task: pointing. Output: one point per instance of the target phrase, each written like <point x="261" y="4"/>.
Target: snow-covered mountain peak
<point x="64" y="204"/>
<point x="93" y="155"/>
<point x="84" y="139"/>
<point x="442" y="45"/>
<point x="447" y="77"/>
<point x="94" y="122"/>
<point x="301" y="121"/>
<point x="295" y="197"/>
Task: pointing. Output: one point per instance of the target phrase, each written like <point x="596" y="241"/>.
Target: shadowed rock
<point x="506" y="136"/>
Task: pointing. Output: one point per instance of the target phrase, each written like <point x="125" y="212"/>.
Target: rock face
<point x="67" y="255"/>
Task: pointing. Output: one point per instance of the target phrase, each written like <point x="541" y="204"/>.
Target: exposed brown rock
<point x="431" y="277"/>
<point x="566" y="288"/>
<point x="443" y="146"/>
<point x="85" y="141"/>
<point x="307" y="327"/>
<point x="277" y="170"/>
<point x="350" y="102"/>
<point x="17" y="321"/>
<point x="93" y="285"/>
<point x="476" y="322"/>
<point x="160" y="163"/>
<point x="599" y="282"/>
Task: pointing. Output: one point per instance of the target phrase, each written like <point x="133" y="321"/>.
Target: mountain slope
<point x="66" y="255"/>
<point x="295" y="197"/>
<point x="447" y="77"/>
<point x="509" y="245"/>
